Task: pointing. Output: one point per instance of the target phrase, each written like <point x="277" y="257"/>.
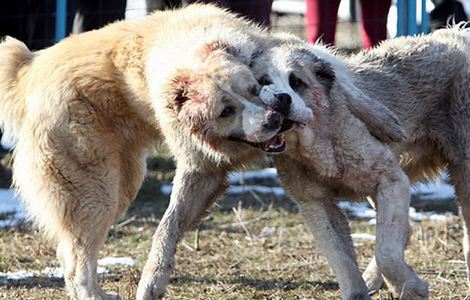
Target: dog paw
<point x="359" y="296"/>
<point x="374" y="282"/>
<point x="413" y="290"/>
<point x="152" y="291"/>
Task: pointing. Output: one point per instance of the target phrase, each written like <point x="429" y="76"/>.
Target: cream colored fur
<point x="85" y="112"/>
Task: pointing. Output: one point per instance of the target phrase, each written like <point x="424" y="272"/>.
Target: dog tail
<point x="15" y="59"/>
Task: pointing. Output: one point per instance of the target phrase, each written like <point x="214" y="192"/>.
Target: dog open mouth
<point x="276" y="144"/>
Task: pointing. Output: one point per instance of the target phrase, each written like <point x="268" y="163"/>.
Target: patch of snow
<point x="429" y="215"/>
<point x="18" y="275"/>
<point x="361" y="210"/>
<point x="268" y="173"/>
<point x="433" y="191"/>
<point x="125" y="261"/>
<point x="166" y="189"/>
<point x="267" y="231"/>
<point x="260" y="189"/>
<point x="239" y="189"/>
<point x="363" y="236"/>
<point x="11" y="209"/>
<point x="57" y="272"/>
<point x="53" y="272"/>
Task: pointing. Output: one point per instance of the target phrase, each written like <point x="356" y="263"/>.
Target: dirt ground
<point x="243" y="251"/>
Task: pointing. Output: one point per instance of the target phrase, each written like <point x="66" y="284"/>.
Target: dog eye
<point x="265" y="80"/>
<point x="255" y="90"/>
<point x="227" y="112"/>
<point x="295" y="82"/>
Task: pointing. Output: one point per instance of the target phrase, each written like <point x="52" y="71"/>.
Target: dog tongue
<point x="275" y="144"/>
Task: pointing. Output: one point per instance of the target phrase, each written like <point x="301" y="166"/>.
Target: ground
<point x="249" y="247"/>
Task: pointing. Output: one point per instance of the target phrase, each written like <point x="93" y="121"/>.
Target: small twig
<point x="225" y="225"/>
<point x="283" y="268"/>
<point x="237" y="263"/>
<point x="439" y="277"/>
<point x="127" y="222"/>
<point x="187" y="246"/>
<point x="257" y="198"/>
<point x="239" y="218"/>
<point x="196" y="240"/>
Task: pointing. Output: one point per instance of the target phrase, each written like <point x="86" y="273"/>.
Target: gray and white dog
<point x="342" y="152"/>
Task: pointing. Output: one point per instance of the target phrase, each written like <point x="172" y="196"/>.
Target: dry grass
<point x="231" y="261"/>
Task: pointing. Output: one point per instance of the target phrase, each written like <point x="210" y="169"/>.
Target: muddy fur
<point x="425" y="82"/>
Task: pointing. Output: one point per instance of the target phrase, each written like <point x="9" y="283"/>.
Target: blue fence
<point x="407" y="17"/>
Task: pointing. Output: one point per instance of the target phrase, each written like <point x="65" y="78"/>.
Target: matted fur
<point x="425" y="82"/>
<point x="85" y="111"/>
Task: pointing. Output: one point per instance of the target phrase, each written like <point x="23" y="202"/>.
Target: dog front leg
<point x="393" y="201"/>
<point x="193" y="192"/>
<point x="331" y="231"/>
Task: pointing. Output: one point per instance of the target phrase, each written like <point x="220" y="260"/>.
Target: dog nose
<point x="282" y="103"/>
<point x="272" y="120"/>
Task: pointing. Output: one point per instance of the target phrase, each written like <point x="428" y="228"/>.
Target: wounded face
<point x="220" y="106"/>
<point x="289" y="68"/>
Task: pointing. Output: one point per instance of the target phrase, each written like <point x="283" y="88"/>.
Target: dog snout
<point x="282" y="103"/>
<point x="272" y="120"/>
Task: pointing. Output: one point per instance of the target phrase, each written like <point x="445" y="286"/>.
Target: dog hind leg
<point x="74" y="206"/>
<point x="79" y="244"/>
<point x="459" y="168"/>
<point x="460" y="175"/>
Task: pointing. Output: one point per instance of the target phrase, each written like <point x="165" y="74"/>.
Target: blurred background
<point x="263" y="250"/>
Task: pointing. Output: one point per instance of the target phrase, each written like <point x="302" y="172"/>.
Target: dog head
<point x="318" y="80"/>
<point x="214" y="105"/>
<point x="289" y="68"/>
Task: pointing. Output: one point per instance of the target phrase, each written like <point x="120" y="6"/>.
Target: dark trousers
<point x="256" y="10"/>
<point x="321" y="19"/>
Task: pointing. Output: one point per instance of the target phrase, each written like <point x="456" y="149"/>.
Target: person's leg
<point x="374" y="21"/>
<point x="321" y="20"/>
<point x="258" y="10"/>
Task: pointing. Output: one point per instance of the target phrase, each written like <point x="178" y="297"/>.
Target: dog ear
<point x="184" y="100"/>
<point x="179" y="93"/>
<point x="325" y="75"/>
<point x="379" y="120"/>
<point x="216" y="46"/>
